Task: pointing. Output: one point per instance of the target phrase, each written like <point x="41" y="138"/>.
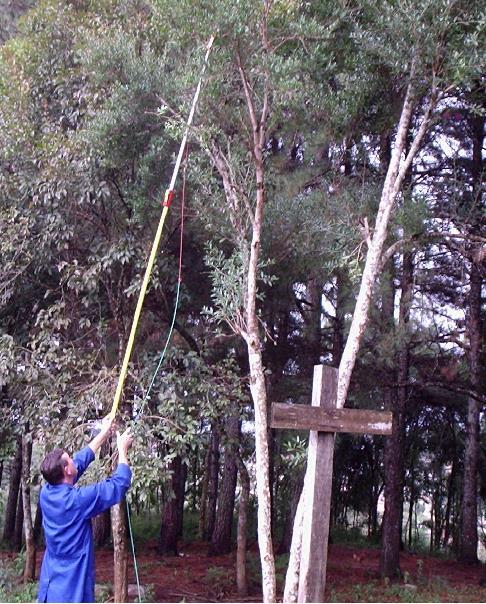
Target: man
<point x="68" y="573"/>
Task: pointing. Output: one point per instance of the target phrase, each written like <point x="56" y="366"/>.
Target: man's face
<point x="70" y="470"/>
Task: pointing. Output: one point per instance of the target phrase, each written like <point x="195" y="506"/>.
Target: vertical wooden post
<point x="318" y="491"/>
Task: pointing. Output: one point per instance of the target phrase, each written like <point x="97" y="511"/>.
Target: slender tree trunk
<point x="18" y="537"/>
<point x="38" y="524"/>
<point x="203" y="506"/>
<point x="120" y="551"/>
<point x="119" y="511"/>
<point x="170" y="522"/>
<point x="395" y="444"/>
<point x="221" y="538"/>
<point x="181" y="496"/>
<point x="411" y="503"/>
<point x="252" y="333"/>
<point x="438" y="511"/>
<point x="213" y="483"/>
<point x="469" y="518"/>
<point x="390" y="544"/>
<point x="312" y="328"/>
<point x="241" y="577"/>
<point x="393" y="182"/>
<point x="450" y="502"/>
<point x="259" y="395"/>
<point x="13" y="494"/>
<point x="30" y="552"/>
<point x="338" y="331"/>
<point x="291" y="591"/>
<point x="286" y="541"/>
<point x="432" y="525"/>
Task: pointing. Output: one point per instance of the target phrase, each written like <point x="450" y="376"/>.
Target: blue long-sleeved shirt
<point x="68" y="570"/>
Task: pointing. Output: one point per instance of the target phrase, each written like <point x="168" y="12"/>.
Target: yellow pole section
<point x="155" y="246"/>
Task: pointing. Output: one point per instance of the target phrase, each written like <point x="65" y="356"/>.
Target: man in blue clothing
<point x="68" y="572"/>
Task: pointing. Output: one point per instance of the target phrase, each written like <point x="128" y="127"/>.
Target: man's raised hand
<point x="124" y="442"/>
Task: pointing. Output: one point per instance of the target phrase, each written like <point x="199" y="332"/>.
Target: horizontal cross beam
<point x="307" y="417"/>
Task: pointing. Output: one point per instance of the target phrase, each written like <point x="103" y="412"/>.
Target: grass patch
<point x="383" y="591"/>
<point x="146" y="527"/>
<point x="354" y="536"/>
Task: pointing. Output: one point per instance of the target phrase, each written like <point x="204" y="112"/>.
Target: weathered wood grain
<point x="307" y="417"/>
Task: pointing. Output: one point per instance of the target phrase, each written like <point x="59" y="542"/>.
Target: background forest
<point x="276" y="211"/>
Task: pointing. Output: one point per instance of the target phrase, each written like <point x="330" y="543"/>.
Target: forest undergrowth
<point x="194" y="576"/>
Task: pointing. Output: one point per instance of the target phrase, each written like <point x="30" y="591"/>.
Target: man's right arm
<point x="97" y="498"/>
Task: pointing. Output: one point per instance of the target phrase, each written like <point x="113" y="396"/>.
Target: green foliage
<point x="11" y="587"/>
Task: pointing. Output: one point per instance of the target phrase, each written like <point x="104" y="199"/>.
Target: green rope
<point x="157" y="369"/>
<point x="135" y="565"/>
<point x="171" y="329"/>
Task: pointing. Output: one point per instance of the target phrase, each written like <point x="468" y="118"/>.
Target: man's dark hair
<point x="52" y="466"/>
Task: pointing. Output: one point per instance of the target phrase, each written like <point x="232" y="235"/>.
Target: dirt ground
<point x="352" y="576"/>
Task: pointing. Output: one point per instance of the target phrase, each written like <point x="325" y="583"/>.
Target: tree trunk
<point x="312" y="326"/>
<point x="391" y="526"/>
<point x="171" y="514"/>
<point x="252" y="333"/>
<point x="338" y="331"/>
<point x="241" y="578"/>
<point x="469" y="518"/>
<point x="30" y="553"/>
<point x="393" y="182"/>
<point x="38" y="524"/>
<point x="411" y="503"/>
<point x="297" y="484"/>
<point x="450" y="500"/>
<point x="13" y="494"/>
<point x="203" y="505"/>
<point x="395" y="444"/>
<point x="181" y="496"/>
<point x="293" y="570"/>
<point x="18" y="537"/>
<point x="221" y="538"/>
<point x="258" y="390"/>
<point x="120" y="551"/>
<point x="213" y="484"/>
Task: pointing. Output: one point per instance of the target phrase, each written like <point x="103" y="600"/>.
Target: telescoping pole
<point x="169" y="194"/>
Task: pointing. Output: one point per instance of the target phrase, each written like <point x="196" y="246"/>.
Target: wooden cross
<point x="323" y="420"/>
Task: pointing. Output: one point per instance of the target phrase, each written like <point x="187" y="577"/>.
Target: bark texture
<point x="120" y="551"/>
